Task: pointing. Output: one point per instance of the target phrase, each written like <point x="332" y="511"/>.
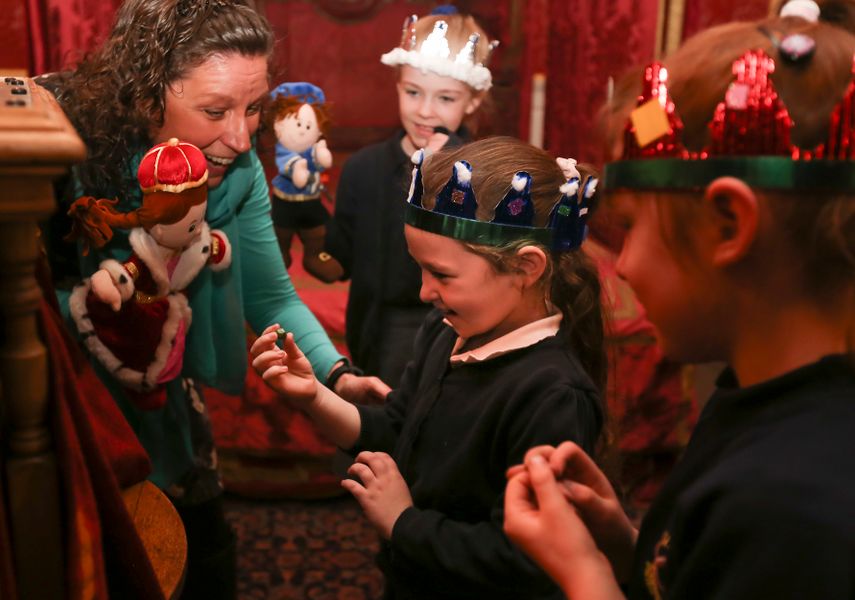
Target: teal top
<point x="255" y="289"/>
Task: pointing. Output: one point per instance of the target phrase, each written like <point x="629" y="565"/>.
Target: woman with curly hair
<point x="196" y="70"/>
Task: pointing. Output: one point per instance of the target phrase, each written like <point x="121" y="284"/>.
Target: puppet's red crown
<point x="172" y="166"/>
<point x="751" y="120"/>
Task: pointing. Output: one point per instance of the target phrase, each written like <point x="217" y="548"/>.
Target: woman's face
<point x="216" y="106"/>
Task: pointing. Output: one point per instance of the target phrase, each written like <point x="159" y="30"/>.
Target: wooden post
<point x="36" y="144"/>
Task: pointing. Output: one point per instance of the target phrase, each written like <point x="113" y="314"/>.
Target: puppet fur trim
<point x="137" y="380"/>
<point x="192" y="259"/>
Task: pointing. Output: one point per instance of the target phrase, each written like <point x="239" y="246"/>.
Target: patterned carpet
<point x="295" y="550"/>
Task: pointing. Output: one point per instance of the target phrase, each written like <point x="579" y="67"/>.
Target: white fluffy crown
<point x="434" y="55"/>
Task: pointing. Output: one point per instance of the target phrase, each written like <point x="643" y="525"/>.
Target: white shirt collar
<point x="522" y="337"/>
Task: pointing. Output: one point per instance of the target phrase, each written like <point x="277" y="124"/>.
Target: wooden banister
<point x="37" y="144"/>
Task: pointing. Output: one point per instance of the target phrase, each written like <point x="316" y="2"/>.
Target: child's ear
<point x="733" y="209"/>
<point x="474" y="102"/>
<point x="532" y="263"/>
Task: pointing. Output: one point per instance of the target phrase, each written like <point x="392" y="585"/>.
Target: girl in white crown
<point x="441" y="83"/>
<point x="740" y="242"/>
<point x="511" y="357"/>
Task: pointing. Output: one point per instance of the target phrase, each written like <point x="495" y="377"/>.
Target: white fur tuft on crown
<point x="464" y="174"/>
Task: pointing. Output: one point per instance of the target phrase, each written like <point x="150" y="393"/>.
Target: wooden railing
<point x="37" y="144"/>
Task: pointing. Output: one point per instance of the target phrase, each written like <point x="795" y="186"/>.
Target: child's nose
<point x="427" y="294"/>
<point x="426" y="107"/>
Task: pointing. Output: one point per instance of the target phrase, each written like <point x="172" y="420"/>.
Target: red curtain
<point x="700" y="15"/>
<point x="61" y="31"/>
<point x="578" y="46"/>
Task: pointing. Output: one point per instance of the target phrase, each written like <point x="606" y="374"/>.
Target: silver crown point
<point x="408" y="35"/>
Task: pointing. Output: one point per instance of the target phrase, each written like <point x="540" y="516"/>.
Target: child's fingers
<point x="571" y="462"/>
<point x="518" y="493"/>
<point x="514" y="471"/>
<point x="545" y="451"/>
<point x="290" y="346"/>
<point x="364" y="472"/>
<point x="271" y="373"/>
<point x="380" y="463"/>
<point x="267" y="358"/>
<point x="263" y="342"/>
<point x="270" y="329"/>
<point x="354" y="487"/>
<point x="543" y="482"/>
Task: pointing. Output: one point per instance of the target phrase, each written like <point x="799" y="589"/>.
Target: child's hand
<point x="286" y="370"/>
<point x="436" y="142"/>
<point x="540" y="520"/>
<point x="323" y="155"/>
<point x="105" y="289"/>
<point x="300" y="173"/>
<point x="383" y="494"/>
<point x="585" y="485"/>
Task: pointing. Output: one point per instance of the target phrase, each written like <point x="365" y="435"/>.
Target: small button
<point x="15" y="103"/>
<point x="19" y="91"/>
<point x="10" y="80"/>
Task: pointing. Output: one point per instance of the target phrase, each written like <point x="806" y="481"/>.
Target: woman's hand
<point x="361" y="390"/>
<point x="286" y="370"/>
<point x="105" y="289"/>
<point x="548" y="528"/>
<point x="383" y="493"/>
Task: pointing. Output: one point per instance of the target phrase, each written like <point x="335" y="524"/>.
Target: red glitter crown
<point x="172" y="166"/>
<point x="749" y="139"/>
<point x="751" y="121"/>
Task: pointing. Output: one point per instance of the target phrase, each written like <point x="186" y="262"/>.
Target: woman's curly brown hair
<point x="116" y="94"/>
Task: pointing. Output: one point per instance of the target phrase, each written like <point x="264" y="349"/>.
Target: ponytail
<point x="575" y="290"/>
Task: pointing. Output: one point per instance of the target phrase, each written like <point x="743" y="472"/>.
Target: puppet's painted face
<point x="178" y="236"/>
<point x="298" y="131"/>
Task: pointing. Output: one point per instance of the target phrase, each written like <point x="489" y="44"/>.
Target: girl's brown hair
<point x="821" y="226"/>
<point x="570" y="282"/>
<point x="116" y="95"/>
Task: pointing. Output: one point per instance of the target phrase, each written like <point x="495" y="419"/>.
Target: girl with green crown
<point x="511" y="357"/>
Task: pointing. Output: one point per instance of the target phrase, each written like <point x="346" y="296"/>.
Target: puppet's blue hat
<point x="302" y="90"/>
